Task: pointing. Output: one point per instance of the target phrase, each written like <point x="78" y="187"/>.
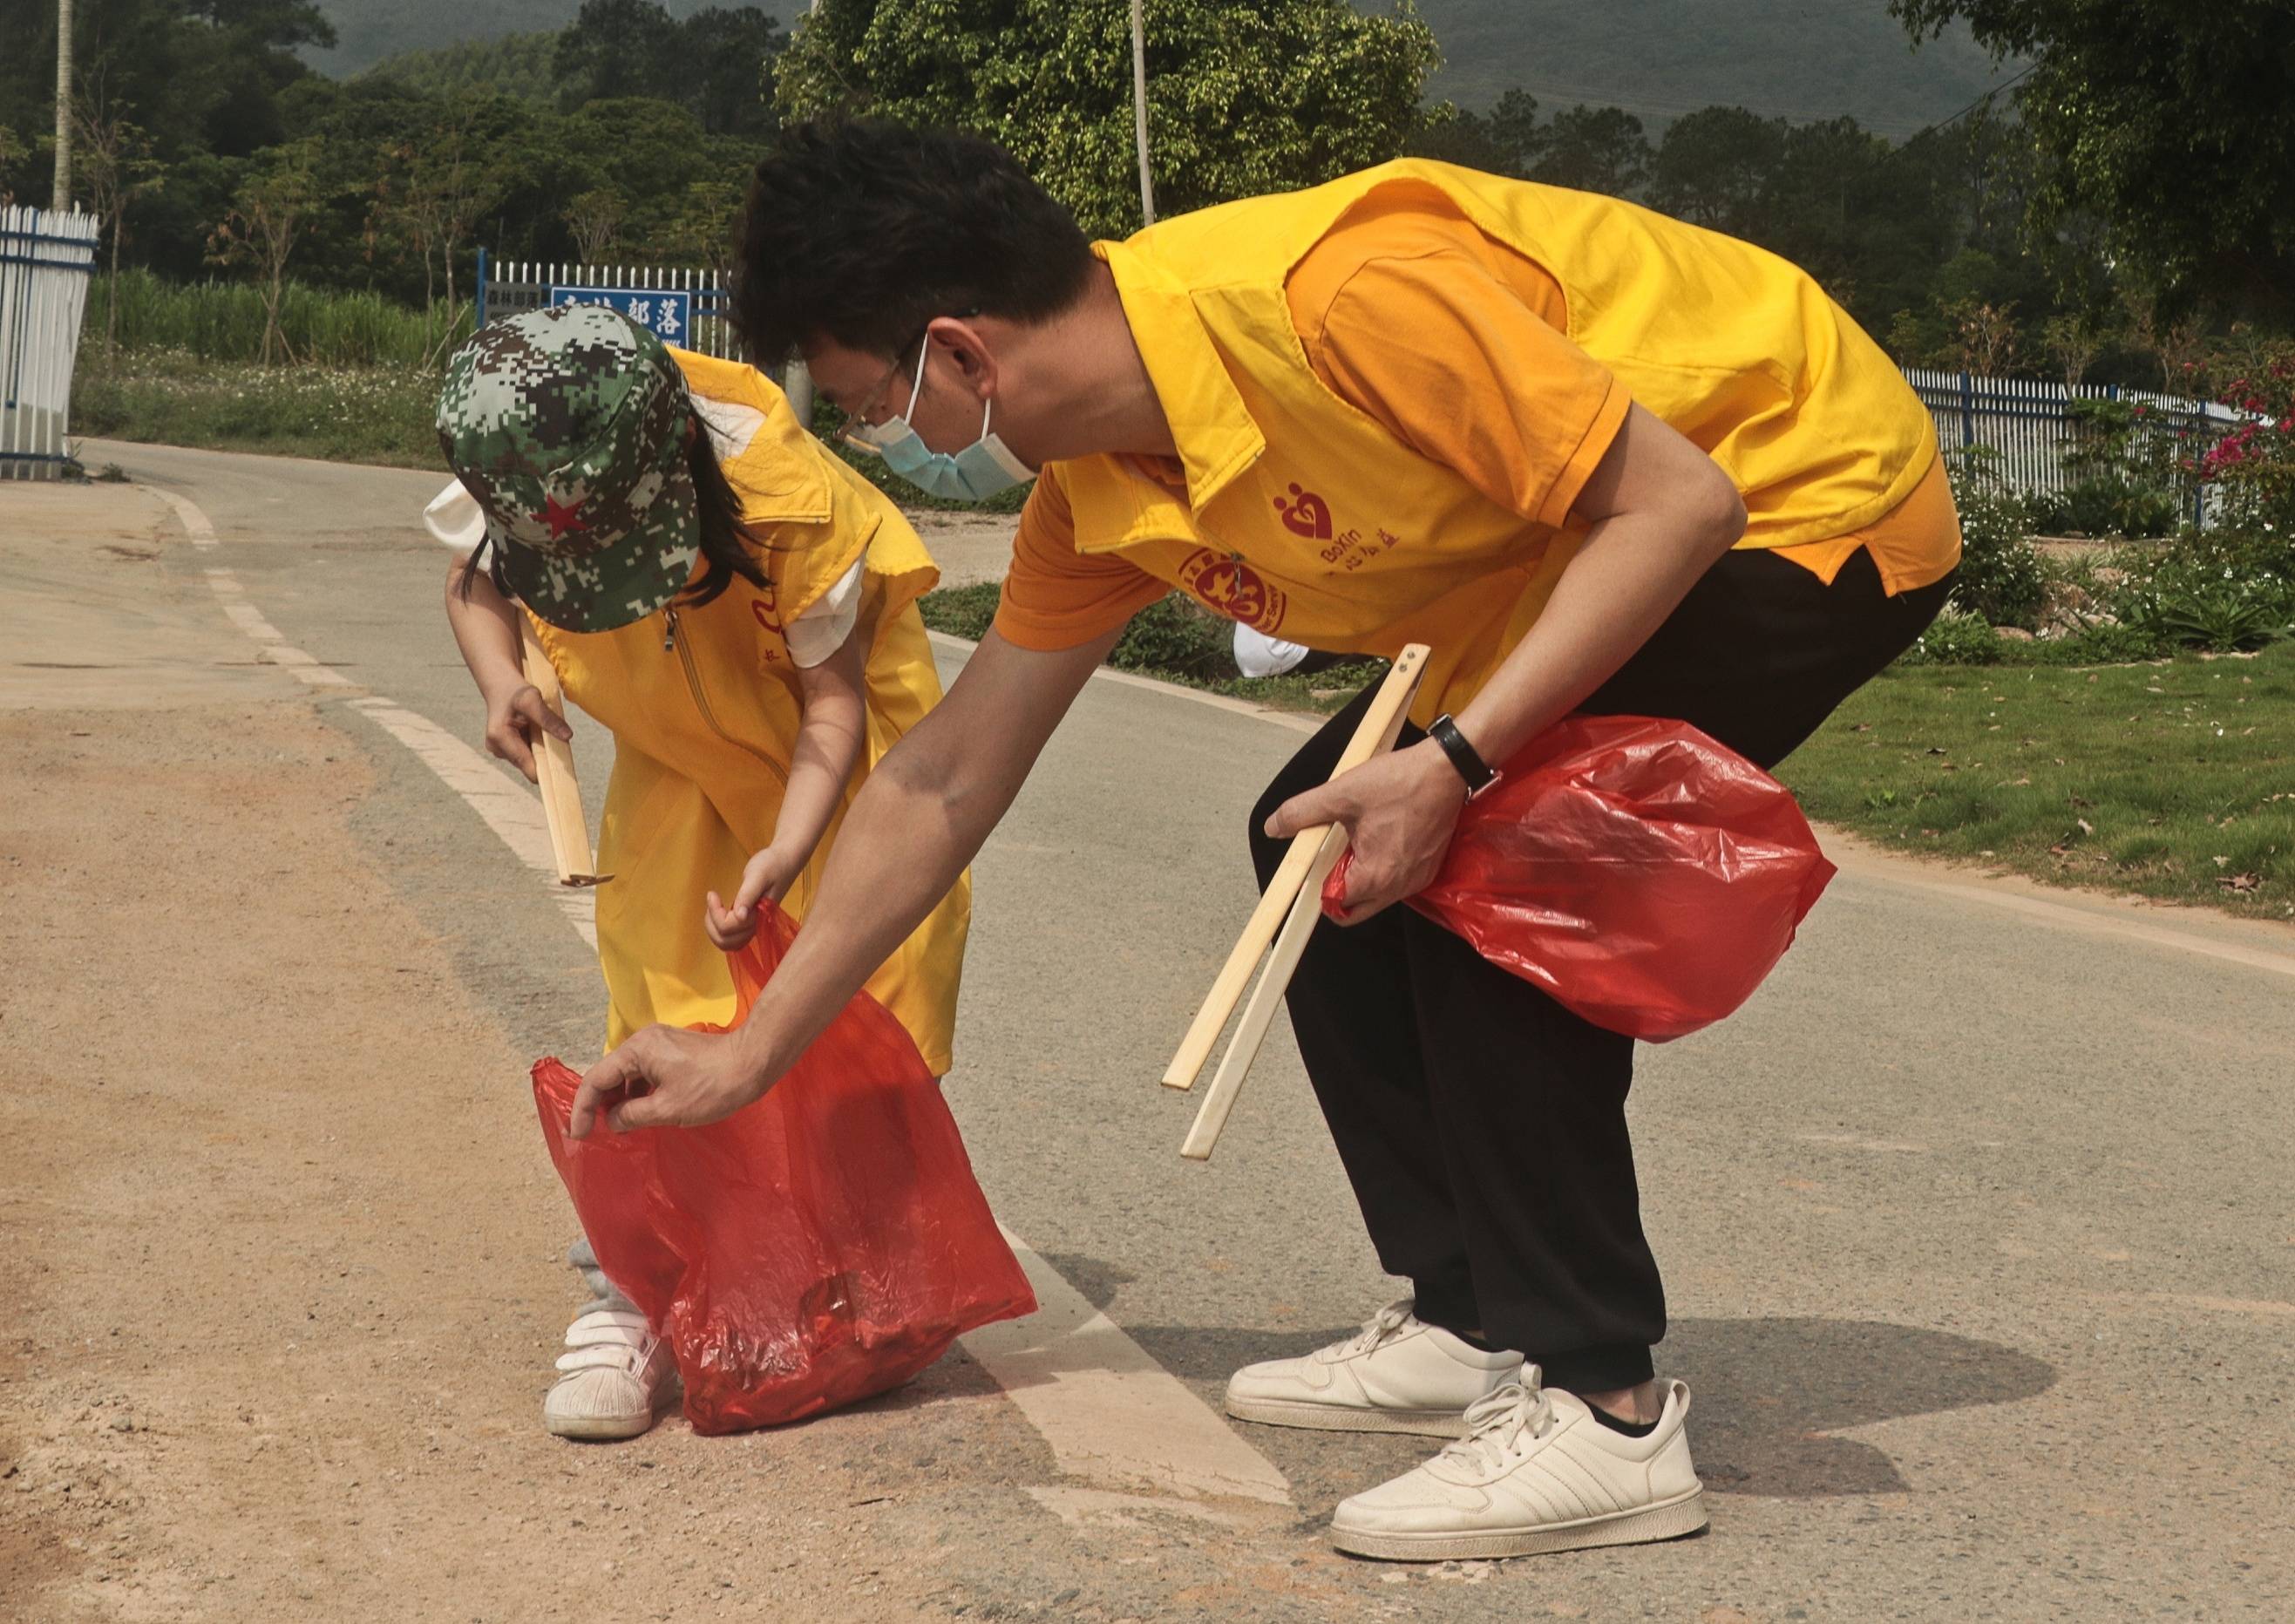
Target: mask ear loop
<point x="917" y="385"/>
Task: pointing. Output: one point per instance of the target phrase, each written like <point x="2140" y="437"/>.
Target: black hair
<point x="725" y="551"/>
<point x="862" y="232"/>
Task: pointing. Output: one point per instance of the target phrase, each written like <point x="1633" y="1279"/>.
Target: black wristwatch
<point x="1478" y="774"/>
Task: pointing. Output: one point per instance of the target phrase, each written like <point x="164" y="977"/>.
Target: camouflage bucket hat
<point x="569" y="425"/>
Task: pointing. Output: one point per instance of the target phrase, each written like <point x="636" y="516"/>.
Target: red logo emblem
<point x="762" y="608"/>
<point x="1234" y="589"/>
<point x="1305" y="514"/>
<point x="560" y="518"/>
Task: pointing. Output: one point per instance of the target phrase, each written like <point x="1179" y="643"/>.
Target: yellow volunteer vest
<point x="1306" y="519"/>
<point x="704" y="721"/>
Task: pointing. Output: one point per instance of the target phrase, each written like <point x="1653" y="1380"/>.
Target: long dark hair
<point x="725" y="551"/>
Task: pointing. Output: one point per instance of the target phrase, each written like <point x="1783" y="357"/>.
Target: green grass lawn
<point x="2174" y="780"/>
<point x="1178" y="642"/>
<point x="380" y="414"/>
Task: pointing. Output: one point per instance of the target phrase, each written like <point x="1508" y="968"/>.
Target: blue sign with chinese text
<point x="666" y="313"/>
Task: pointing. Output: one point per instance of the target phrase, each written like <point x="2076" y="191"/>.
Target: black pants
<point x="1482" y="1125"/>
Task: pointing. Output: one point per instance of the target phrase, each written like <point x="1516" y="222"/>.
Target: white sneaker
<point x="610" y="1378"/>
<point x="1397" y="1374"/>
<point x="1535" y="1472"/>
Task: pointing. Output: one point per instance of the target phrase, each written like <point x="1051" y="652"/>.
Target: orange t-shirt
<point x="1455" y="344"/>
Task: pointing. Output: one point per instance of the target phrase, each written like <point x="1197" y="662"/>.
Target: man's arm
<point x="926" y="810"/>
<point x="1662" y="514"/>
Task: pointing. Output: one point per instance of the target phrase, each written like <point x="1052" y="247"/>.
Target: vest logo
<point x="1234" y="589"/>
<point x="1305" y="514"/>
<point x="762" y="608"/>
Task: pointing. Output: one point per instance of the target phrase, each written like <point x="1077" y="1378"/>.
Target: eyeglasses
<point x="860" y="416"/>
<point x="860" y="413"/>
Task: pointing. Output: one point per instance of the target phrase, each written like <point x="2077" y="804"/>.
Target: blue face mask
<point x="977" y="472"/>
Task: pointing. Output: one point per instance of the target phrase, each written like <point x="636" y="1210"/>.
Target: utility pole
<point x="1140" y="108"/>
<point x="62" y="198"/>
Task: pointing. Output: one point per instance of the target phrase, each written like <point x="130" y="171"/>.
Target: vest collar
<point x="1215" y="432"/>
<point x="776" y="472"/>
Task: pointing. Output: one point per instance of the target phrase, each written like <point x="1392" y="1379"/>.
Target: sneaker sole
<point x="1337" y="1418"/>
<point x="598" y="1428"/>
<point x="1673" y="1520"/>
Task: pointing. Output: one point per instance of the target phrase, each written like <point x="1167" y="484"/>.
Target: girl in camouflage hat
<point x="738" y="607"/>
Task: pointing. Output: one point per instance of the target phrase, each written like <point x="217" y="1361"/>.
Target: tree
<point x="1244" y="96"/>
<point x="1505" y="141"/>
<point x="716" y="63"/>
<point x="2073" y="343"/>
<point x="1715" y="168"/>
<point x="616" y="48"/>
<point x="595" y="218"/>
<point x="269" y="215"/>
<point x="1593" y="149"/>
<point x="701" y="231"/>
<point x="727" y="56"/>
<point x="11" y="152"/>
<point x="2165" y="121"/>
<point x="1983" y="337"/>
<point x="434" y="189"/>
<point x="116" y="168"/>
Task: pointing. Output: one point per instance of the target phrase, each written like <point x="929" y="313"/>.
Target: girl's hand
<point x="513" y="714"/>
<point x="768" y="875"/>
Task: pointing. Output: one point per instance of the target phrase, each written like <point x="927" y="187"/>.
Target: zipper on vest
<point x="701" y="695"/>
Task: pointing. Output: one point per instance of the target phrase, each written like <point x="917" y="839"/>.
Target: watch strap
<point x="1478" y="774"/>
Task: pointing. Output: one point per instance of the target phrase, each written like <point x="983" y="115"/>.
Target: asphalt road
<point x="1976" y="1221"/>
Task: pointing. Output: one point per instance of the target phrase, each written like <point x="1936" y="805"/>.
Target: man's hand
<point x="1398" y="811"/>
<point x="664" y="1077"/>
<point x="514" y="713"/>
<point x="769" y="874"/>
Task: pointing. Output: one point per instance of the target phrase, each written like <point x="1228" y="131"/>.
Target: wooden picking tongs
<point x="1293" y="899"/>
<point x="553" y="767"/>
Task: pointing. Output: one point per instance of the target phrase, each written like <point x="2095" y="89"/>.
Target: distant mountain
<point x="366" y="31"/>
<point x="1659" y="59"/>
<point x="514" y="65"/>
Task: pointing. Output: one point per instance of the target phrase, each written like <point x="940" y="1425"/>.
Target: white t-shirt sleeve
<point x="454" y="518"/>
<point x="821" y="630"/>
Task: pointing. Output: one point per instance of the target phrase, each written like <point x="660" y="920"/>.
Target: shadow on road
<point x="1771" y="1394"/>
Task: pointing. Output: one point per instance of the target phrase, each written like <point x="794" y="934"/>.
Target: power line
<point x="2007" y="84"/>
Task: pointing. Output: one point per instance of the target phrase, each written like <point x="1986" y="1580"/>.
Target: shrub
<point x="2105" y="504"/>
<point x="1954" y="638"/>
<point x="2254" y="465"/>
<point x="2198" y="607"/>
<point x="2000" y="577"/>
<point x="2102" y="642"/>
<point x="1177" y="634"/>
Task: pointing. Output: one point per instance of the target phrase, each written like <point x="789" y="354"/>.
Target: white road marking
<point x="1107" y="1409"/>
<point x="514" y="814"/>
<point x="194" y="522"/>
<point x="272" y="643"/>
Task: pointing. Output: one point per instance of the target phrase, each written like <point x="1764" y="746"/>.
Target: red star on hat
<point x="561" y="518"/>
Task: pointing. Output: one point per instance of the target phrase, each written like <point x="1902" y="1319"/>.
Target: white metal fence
<point x="46" y="260"/>
<point x="2030" y="423"/>
<point x="508" y="287"/>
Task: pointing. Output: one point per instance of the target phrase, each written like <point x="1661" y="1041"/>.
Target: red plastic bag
<point x="1643" y="875"/>
<point x="819" y="1246"/>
